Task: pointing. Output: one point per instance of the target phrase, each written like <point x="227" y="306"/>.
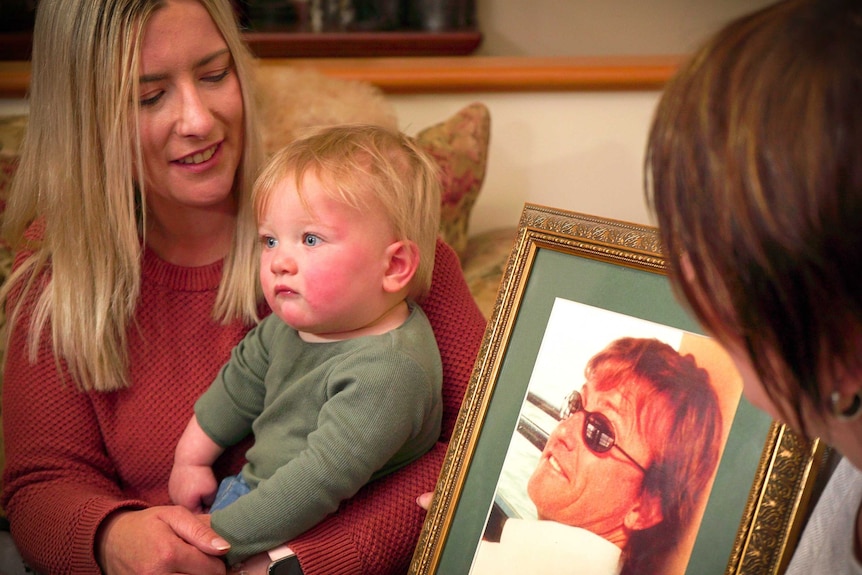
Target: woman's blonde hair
<point x="77" y="178"/>
<point x="369" y="168"/>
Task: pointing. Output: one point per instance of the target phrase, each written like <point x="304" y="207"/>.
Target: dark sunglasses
<point x="599" y="434"/>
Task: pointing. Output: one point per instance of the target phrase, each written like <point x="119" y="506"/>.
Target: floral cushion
<point x="7" y="169"/>
<point x="460" y="146"/>
<point x="293" y="100"/>
<point x="8" y="163"/>
<point x="11" y="133"/>
<point x="484" y="262"/>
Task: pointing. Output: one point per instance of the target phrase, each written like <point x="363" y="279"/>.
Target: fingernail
<point x="220" y="544"/>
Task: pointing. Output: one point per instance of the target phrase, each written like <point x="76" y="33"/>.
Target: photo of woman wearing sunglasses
<point x="621" y="465"/>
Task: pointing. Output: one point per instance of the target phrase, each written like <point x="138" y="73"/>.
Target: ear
<point x="846" y="387"/>
<point x="402" y="260"/>
<point x="645" y="514"/>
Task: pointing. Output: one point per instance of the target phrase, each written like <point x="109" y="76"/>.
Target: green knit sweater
<point x="326" y="417"/>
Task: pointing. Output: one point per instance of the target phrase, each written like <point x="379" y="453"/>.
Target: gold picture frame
<point x="762" y="486"/>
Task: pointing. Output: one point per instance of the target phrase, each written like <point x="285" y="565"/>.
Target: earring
<point x="849" y="413"/>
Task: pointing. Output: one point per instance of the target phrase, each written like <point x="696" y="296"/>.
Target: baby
<point x="341" y="384"/>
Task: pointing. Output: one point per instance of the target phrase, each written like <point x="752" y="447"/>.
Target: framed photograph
<point x="602" y="428"/>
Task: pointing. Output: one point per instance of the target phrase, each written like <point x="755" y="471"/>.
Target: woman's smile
<point x="197" y="158"/>
<point x="555" y="465"/>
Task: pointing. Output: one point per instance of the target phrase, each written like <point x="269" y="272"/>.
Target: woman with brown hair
<point x="754" y="169"/>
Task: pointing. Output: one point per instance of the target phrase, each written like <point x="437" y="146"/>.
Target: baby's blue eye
<point x="310" y="240"/>
<point x="268" y="241"/>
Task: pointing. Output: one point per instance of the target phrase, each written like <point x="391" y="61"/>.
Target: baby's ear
<point x="402" y="261"/>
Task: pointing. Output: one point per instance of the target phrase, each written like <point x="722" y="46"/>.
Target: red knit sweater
<point x="72" y="458"/>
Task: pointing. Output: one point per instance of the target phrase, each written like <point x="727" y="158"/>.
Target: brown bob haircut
<point x="754" y="170"/>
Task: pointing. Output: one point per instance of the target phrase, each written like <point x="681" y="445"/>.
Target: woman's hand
<point x="159" y="540"/>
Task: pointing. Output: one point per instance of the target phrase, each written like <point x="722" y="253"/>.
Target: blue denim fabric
<point x="229" y="490"/>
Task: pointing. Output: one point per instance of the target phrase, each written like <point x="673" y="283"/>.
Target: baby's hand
<point x="424" y="500"/>
<point x="192" y="486"/>
<point x="254" y="565"/>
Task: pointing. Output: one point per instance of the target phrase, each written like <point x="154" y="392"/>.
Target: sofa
<point x="295" y="100"/>
<point x="292" y="101"/>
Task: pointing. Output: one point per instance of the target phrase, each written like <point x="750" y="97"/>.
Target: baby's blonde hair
<point x="368" y="168"/>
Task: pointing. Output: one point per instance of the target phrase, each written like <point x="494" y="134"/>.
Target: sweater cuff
<point x="93" y="513"/>
<point x="339" y="556"/>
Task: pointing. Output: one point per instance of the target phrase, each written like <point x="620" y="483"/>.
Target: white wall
<point x="580" y="151"/>
<point x="11" y="107"/>
<point x="591" y="27"/>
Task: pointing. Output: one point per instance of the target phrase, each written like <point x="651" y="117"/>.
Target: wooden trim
<point x="498" y="74"/>
<point x="457" y="74"/>
<point x="300" y="44"/>
<point x="14" y="79"/>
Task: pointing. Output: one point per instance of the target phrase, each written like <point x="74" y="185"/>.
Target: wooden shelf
<point x="422" y="75"/>
<point x="497" y="74"/>
<point x="15" y="45"/>
<point x="276" y="44"/>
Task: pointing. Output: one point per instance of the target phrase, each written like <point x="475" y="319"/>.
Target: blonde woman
<point x="135" y="278"/>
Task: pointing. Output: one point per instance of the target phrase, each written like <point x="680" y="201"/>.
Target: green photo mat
<point x="766" y="473"/>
